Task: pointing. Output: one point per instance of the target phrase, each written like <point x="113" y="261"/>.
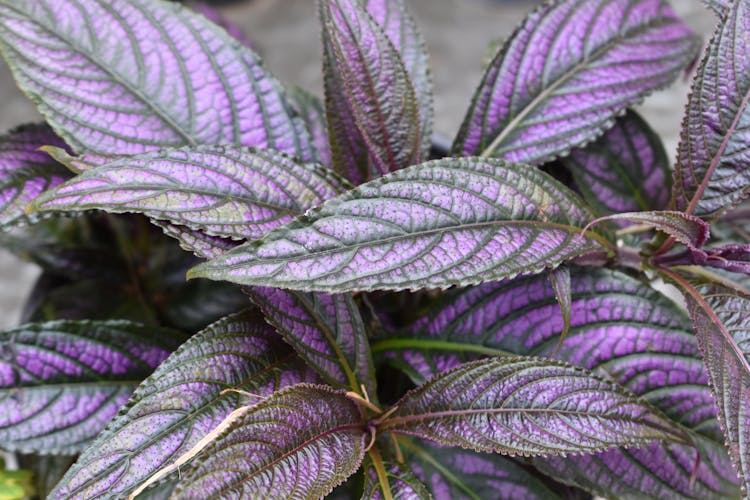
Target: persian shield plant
<point x="379" y="321"/>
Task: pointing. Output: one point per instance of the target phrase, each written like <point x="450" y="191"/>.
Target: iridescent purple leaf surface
<point x="369" y="82"/>
<point x="301" y="442"/>
<point x="184" y="400"/>
<point x="25" y="172"/>
<point x="62" y="381"/>
<point x="619" y="328"/>
<point x="625" y="170"/>
<point x="510" y="405"/>
<point x="566" y="73"/>
<point x="722" y="325"/>
<point x="442" y="223"/>
<point x="217" y="18"/>
<point x="313" y="113"/>
<point x="559" y="278"/>
<point x="231" y="192"/>
<point x="734" y="258"/>
<point x="201" y="244"/>
<point x="128" y="76"/>
<point x="689" y="230"/>
<point x="327" y="331"/>
<point x="402" y="31"/>
<point x="711" y="173"/>
<point x="457" y="474"/>
<point x="402" y="483"/>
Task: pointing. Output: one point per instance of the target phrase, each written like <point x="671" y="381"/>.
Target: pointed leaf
<point x="313" y="113"/>
<point x="560" y="280"/>
<point x="510" y="405"/>
<point x="566" y="73"/>
<point x="224" y="191"/>
<point x="403" y="484"/>
<point x="402" y="31"/>
<point x="377" y="92"/>
<point x="62" y="381"/>
<point x="456" y="474"/>
<point x="327" y="331"/>
<point x="625" y="170"/>
<point x="193" y="240"/>
<point x="454" y="221"/>
<point x="734" y="258"/>
<point x="300" y="442"/>
<point x="711" y="173"/>
<point x="25" y="172"/>
<point x="620" y="329"/>
<point x="687" y="229"/>
<point x="181" y="402"/>
<point x="128" y="76"/>
<point x="722" y="325"/>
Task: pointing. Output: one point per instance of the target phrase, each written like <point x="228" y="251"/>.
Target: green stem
<point x="377" y="462"/>
<point x="402" y="344"/>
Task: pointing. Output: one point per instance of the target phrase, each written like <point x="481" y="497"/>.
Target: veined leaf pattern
<point x="711" y="173"/>
<point x="301" y="442"/>
<point x="625" y="170"/>
<point x="620" y="329"/>
<point x="455" y="221"/>
<point x="128" y="76"/>
<point x="402" y="482"/>
<point x="223" y="191"/>
<point x="185" y="399"/>
<point x="327" y="331"/>
<point x="566" y="73"/>
<point x="25" y="172"/>
<point x="510" y="405"/>
<point x="370" y="83"/>
<point x="62" y="381"/>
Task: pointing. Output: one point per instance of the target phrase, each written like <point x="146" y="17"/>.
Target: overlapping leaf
<point x="619" y="328"/>
<point x="224" y="191"/>
<point x="312" y="110"/>
<point x="454" y="221"/>
<point x="722" y="325"/>
<point x="685" y="228"/>
<point x="625" y="170"/>
<point x="25" y="172"/>
<point x="528" y="406"/>
<point x="128" y="76"/>
<point x="184" y="400"/>
<point x="201" y="244"/>
<point x="369" y="82"/>
<point x="711" y="173"/>
<point x="62" y="381"/>
<point x="402" y="31"/>
<point x="326" y="331"/>
<point x="299" y="443"/>
<point x="568" y="70"/>
<point x="457" y="474"/>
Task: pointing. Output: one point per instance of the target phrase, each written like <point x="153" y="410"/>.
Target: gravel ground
<point x="457" y="33"/>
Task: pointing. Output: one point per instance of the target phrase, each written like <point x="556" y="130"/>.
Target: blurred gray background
<point x="286" y="33"/>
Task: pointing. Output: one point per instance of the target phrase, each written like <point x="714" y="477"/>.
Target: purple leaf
<point x="327" y="331"/>
<point x="711" y="173"/>
<point x="619" y="328"/>
<point x="62" y="381"/>
<point x="734" y="258"/>
<point x="129" y="76"/>
<point x="224" y="191"/>
<point x="402" y="31"/>
<point x="718" y="6"/>
<point x="313" y="113"/>
<point x="456" y="474"/>
<point x="402" y="483"/>
<point x="300" y="442"/>
<point x="369" y="82"/>
<point x="217" y="18"/>
<point x="566" y="73"/>
<point x="687" y="229"/>
<point x="25" y="172"/>
<point x="625" y="170"/>
<point x="510" y="405"/>
<point x="181" y="402"/>
<point x="720" y="316"/>
<point x="453" y="221"/>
